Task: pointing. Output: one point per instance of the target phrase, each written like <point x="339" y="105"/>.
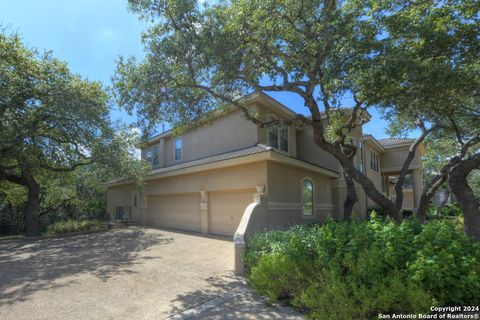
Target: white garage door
<point x="226" y="211"/>
<point x="175" y="211"/>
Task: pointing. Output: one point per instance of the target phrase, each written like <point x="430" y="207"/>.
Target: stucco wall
<point x="392" y="159"/>
<point x="227" y="133"/>
<point x="285" y="195"/>
<point x="118" y="196"/>
<point x="308" y="151"/>
<point x="232" y="178"/>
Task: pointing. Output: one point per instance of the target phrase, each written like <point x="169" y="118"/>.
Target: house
<point x="232" y="176"/>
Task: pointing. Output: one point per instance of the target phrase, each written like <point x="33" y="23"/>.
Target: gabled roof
<point x="369" y="137"/>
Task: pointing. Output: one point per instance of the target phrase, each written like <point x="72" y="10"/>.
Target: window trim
<point x="307" y="216"/>
<point x="152" y="148"/>
<point x="279" y="127"/>
<point x="175" y="148"/>
<point x="374" y="161"/>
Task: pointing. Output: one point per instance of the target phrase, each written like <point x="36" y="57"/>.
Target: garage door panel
<point x="226" y="211"/>
<point x="176" y="211"/>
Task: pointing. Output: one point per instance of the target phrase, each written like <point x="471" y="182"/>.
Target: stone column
<point x="204" y="211"/>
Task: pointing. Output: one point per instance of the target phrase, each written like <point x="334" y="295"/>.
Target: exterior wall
<point x="392" y="159"/>
<point x="231" y="178"/>
<point x="285" y="195"/>
<point x="119" y="196"/>
<point x="225" y="134"/>
<point x="408" y="199"/>
<point x="340" y="193"/>
<point x="308" y="151"/>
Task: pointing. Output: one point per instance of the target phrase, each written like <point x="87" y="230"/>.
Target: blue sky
<point x="90" y="34"/>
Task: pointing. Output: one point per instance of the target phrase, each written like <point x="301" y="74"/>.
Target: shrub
<point x="360" y="269"/>
<point x="75" y="226"/>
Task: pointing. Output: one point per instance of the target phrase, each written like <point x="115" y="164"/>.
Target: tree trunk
<point x="350" y="199"/>
<point x="32" y="221"/>
<point x="464" y="194"/>
<point x="348" y="166"/>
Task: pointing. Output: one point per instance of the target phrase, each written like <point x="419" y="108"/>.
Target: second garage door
<point x="226" y="211"/>
<point x="175" y="211"/>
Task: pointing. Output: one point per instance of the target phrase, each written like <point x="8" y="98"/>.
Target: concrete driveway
<point x="134" y="273"/>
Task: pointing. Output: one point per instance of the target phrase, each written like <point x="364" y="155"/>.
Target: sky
<point x="90" y="35"/>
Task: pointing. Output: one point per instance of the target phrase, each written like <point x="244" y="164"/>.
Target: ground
<point x="134" y="273"/>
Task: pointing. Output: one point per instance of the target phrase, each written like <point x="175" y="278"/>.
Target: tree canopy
<point x="52" y="122"/>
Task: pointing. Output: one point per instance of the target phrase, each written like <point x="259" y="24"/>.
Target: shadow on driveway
<point x="27" y="266"/>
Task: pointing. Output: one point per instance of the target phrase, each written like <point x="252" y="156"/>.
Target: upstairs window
<point x="374" y="161"/>
<point x="152" y="155"/>
<point x="178" y="148"/>
<point x="278" y="136"/>
<point x="307" y="197"/>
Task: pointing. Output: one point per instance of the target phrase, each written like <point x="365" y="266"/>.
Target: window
<point x="307" y="197"/>
<point x="374" y="161"/>
<point x="278" y="136"/>
<point x="152" y="155"/>
<point x="361" y="160"/>
<point x="135" y="200"/>
<point x="273" y="136"/>
<point x="178" y="149"/>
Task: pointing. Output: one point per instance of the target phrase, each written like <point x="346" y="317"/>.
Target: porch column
<point x="203" y="211"/>
<point x="417" y="187"/>
<point x="162" y="152"/>
<point x="385" y="185"/>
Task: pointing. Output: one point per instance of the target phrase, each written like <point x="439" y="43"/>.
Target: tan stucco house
<point x="233" y="177"/>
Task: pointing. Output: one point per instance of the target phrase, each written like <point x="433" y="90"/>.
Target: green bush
<point x="360" y="269"/>
<point x="75" y="226"/>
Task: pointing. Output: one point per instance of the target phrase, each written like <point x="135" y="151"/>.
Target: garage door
<point x="175" y="211"/>
<point x="226" y="211"/>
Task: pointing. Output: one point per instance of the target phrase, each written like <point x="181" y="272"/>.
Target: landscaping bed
<point x="359" y="270"/>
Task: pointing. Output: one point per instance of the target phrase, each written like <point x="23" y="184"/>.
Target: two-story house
<point x="204" y="179"/>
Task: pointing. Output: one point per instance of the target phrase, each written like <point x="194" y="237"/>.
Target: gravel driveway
<point x="134" y="273"/>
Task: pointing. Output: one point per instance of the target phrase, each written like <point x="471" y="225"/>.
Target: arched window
<point x="307" y="197"/>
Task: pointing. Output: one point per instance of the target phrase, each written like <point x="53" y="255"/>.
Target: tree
<point x="52" y="122"/>
<point x="201" y="59"/>
<point x="443" y="39"/>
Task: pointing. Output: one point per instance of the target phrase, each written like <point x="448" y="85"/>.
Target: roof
<point x="369" y="137"/>
<point x="391" y="142"/>
<point x="219" y="157"/>
<point x="244" y="152"/>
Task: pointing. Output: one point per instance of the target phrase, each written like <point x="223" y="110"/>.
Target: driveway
<point x="134" y="273"/>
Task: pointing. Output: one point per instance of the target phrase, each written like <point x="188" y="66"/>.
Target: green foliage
<point x="54" y="122"/>
<point x="450" y="210"/>
<point x="357" y="270"/>
<point x="75" y="226"/>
